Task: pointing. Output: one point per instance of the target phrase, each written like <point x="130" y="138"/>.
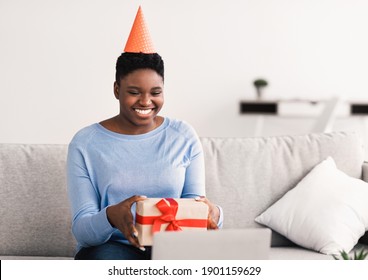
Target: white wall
<point x="57" y="59"/>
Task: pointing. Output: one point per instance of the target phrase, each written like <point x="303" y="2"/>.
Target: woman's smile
<point x="144" y="112"/>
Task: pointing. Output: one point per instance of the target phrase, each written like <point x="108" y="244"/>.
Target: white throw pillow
<point x="327" y="211"/>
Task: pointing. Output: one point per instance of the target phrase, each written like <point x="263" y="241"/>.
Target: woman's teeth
<point x="143" y="112"/>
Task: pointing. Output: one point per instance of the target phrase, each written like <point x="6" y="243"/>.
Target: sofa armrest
<point x="365" y="171"/>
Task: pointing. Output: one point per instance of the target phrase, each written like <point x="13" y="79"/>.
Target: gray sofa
<point x="243" y="175"/>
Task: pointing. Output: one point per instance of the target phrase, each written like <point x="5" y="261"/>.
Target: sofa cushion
<point x="34" y="213"/>
<point x="326" y="212"/>
<point x="296" y="253"/>
<point x="247" y="175"/>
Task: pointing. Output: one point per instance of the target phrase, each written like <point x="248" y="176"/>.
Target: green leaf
<point x="335" y="257"/>
<point x="355" y="255"/>
<point x="362" y="255"/>
<point x="345" y="255"/>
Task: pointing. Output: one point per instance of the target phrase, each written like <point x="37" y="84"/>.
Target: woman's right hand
<point x="120" y="217"/>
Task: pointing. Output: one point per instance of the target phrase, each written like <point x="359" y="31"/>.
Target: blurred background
<point x="57" y="64"/>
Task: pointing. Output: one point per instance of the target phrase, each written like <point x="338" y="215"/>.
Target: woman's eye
<point x="156" y="93"/>
<point x="133" y="92"/>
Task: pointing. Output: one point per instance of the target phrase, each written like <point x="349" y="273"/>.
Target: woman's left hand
<point x="213" y="213"/>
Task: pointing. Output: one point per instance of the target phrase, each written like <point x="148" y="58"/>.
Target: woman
<point x="131" y="156"/>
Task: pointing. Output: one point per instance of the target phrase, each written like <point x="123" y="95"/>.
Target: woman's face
<point x="141" y="97"/>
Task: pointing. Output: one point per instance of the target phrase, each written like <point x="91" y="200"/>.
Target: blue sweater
<point x="105" y="168"/>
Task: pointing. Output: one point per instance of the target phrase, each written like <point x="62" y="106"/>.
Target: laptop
<point x="223" y="244"/>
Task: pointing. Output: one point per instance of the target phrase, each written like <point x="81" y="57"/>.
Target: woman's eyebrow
<point x="138" y="88"/>
<point x="133" y="87"/>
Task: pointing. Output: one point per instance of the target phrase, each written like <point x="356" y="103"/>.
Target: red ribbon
<point x="169" y="216"/>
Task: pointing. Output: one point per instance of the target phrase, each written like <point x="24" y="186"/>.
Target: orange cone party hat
<point x="139" y="40"/>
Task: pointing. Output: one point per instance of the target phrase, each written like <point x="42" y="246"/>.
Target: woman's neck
<point x="119" y="125"/>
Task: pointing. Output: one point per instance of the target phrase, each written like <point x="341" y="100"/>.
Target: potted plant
<point x="259" y="85"/>
<point x="357" y="255"/>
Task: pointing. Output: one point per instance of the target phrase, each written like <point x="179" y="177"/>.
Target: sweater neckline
<point x="151" y="133"/>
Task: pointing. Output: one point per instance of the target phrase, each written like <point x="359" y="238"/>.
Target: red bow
<point x="168" y="215"/>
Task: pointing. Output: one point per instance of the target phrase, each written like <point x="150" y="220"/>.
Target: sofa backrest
<point x="246" y="175"/>
<point x="35" y="219"/>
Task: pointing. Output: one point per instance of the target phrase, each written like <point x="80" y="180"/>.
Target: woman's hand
<point x="213" y="213"/>
<point x="120" y="217"/>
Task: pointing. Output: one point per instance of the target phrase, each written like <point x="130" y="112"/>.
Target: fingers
<point x="134" y="198"/>
<point x="213" y="212"/>
<point x="131" y="235"/>
<point x="211" y="224"/>
<point x="201" y="198"/>
<point x="120" y="216"/>
<point x="130" y="232"/>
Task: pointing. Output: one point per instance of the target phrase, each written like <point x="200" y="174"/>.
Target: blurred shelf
<point x="300" y="108"/>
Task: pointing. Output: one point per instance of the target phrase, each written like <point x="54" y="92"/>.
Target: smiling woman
<point x="136" y="154"/>
<point x="140" y="93"/>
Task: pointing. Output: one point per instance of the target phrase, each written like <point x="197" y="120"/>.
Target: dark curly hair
<point x="129" y="62"/>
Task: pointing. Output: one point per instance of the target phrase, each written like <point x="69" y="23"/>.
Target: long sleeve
<point x="194" y="184"/>
<point x="90" y="225"/>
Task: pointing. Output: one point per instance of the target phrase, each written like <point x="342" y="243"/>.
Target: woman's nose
<point x="145" y="100"/>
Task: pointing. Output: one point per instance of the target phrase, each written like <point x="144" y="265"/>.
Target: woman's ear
<point x="116" y="90"/>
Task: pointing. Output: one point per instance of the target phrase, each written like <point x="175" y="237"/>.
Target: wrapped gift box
<point x="158" y="214"/>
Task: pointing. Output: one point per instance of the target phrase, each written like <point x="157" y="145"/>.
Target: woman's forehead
<point x="143" y="77"/>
